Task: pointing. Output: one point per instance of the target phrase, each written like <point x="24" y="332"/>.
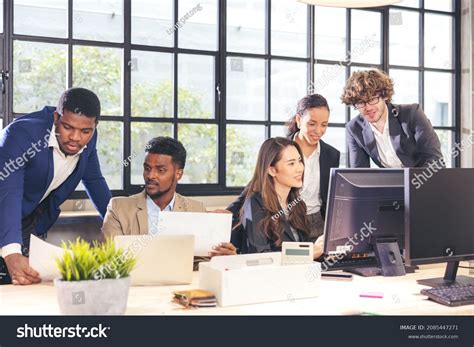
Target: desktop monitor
<point x="439" y="211"/>
<point x="365" y="221"/>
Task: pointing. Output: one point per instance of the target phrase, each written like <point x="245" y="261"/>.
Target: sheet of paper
<point x="42" y="258"/>
<point x="209" y="229"/>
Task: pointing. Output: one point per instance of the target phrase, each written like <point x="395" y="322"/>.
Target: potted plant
<point x="94" y="280"/>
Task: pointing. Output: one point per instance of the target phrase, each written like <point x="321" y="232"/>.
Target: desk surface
<point x="401" y="296"/>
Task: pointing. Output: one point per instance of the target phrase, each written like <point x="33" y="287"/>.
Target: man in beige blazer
<point x="163" y="167"/>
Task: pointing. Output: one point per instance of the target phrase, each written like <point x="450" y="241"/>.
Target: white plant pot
<point x="93" y="297"/>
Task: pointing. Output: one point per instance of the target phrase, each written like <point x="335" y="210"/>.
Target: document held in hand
<point x="208" y="229"/>
<point x="43" y="258"/>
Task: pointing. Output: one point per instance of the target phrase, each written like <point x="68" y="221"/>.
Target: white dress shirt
<point x="310" y="193"/>
<point x="387" y="154"/>
<point x="63" y="165"/>
<point x="154" y="213"/>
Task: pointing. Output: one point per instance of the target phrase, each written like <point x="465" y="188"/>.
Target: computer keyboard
<point x="342" y="264"/>
<point x="453" y="295"/>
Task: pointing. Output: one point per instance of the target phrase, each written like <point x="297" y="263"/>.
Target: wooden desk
<point x="401" y="297"/>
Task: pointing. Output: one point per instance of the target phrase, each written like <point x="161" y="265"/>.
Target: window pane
<point x="406" y="86"/>
<point x="243" y="143"/>
<point x="330" y="33"/>
<point x="336" y="137"/>
<point x="152" y="84"/>
<point x="440" y="5"/>
<point x="141" y="133"/>
<point x="100" y="70"/>
<point x="39" y="75"/>
<point x="289" y="84"/>
<point x="446" y="139"/>
<point x="289" y="26"/>
<point x="439" y="98"/>
<point x="329" y="81"/>
<point x="245" y="81"/>
<point x="36" y="17"/>
<point x="438" y="41"/>
<point x="278" y="130"/>
<point x="409" y="3"/>
<point x="404" y="38"/>
<point x="246" y="26"/>
<point x="152" y="22"/>
<point x="109" y="149"/>
<point x="197" y="23"/>
<point x="195" y="86"/>
<point x="200" y="141"/>
<point x="88" y="16"/>
<point x="366" y="41"/>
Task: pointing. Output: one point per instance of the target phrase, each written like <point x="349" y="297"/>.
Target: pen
<point x="371" y="295"/>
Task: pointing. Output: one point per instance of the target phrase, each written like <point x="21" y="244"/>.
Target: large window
<point x="221" y="76"/>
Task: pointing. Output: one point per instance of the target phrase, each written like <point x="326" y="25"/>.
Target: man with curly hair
<point x="393" y="136"/>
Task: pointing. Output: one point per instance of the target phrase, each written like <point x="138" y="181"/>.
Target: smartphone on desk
<point x="4" y="275"/>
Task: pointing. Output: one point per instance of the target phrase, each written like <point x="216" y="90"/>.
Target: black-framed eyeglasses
<point x="362" y="104"/>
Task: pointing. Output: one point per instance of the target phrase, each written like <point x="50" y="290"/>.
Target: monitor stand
<point x="449" y="278"/>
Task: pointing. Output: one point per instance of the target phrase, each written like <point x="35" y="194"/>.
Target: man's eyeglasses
<point x="362" y="104"/>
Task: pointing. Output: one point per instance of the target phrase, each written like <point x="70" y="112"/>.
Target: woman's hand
<point x="318" y="247"/>
<point x="223" y="248"/>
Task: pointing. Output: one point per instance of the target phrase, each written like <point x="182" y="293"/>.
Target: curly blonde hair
<point x="362" y="85"/>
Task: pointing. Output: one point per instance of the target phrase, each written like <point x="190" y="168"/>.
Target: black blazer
<point x="253" y="240"/>
<point x="329" y="157"/>
<point x="411" y="133"/>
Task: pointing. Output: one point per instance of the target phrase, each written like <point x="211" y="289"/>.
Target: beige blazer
<point x="129" y="215"/>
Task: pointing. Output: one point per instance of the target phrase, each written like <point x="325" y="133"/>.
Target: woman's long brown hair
<point x="269" y="155"/>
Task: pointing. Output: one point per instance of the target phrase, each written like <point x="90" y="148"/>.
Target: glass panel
<point x="440" y="5"/>
<point x="330" y="33"/>
<point x="141" y="133"/>
<point x="289" y="27"/>
<point x="366" y="41"/>
<point x="438" y="41"/>
<point x="439" y="98"/>
<point x="245" y="81"/>
<point x="409" y="3"/>
<point x="404" y="38"/>
<point x="98" y="20"/>
<point x="406" y="86"/>
<point x="243" y="143"/>
<point x="200" y="141"/>
<point x="246" y="26"/>
<point x="195" y="86"/>
<point x="278" y="130"/>
<point x="152" y="84"/>
<point x="152" y="22"/>
<point x="35" y="17"/>
<point x="329" y="82"/>
<point x="39" y="71"/>
<point x="289" y="84"/>
<point x="109" y="149"/>
<point x="446" y="139"/>
<point x="100" y="70"/>
<point x="197" y="24"/>
<point x="336" y="137"/>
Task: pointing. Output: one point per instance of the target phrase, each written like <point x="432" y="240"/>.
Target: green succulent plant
<point x="82" y="262"/>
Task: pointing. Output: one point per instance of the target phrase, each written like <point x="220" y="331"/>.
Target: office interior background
<point x="228" y="78"/>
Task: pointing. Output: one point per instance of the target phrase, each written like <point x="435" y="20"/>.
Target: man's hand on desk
<point x="223" y="248"/>
<point x="318" y="247"/>
<point x="20" y="270"/>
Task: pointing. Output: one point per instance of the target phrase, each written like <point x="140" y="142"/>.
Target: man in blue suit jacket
<point x="43" y="157"/>
<point x="392" y="136"/>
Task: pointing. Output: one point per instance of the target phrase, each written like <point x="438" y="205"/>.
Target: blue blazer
<point x="27" y="169"/>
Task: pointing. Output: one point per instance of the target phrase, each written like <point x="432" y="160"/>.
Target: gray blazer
<point x="411" y="132"/>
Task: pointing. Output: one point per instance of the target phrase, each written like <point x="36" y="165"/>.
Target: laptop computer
<point x="161" y="259"/>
